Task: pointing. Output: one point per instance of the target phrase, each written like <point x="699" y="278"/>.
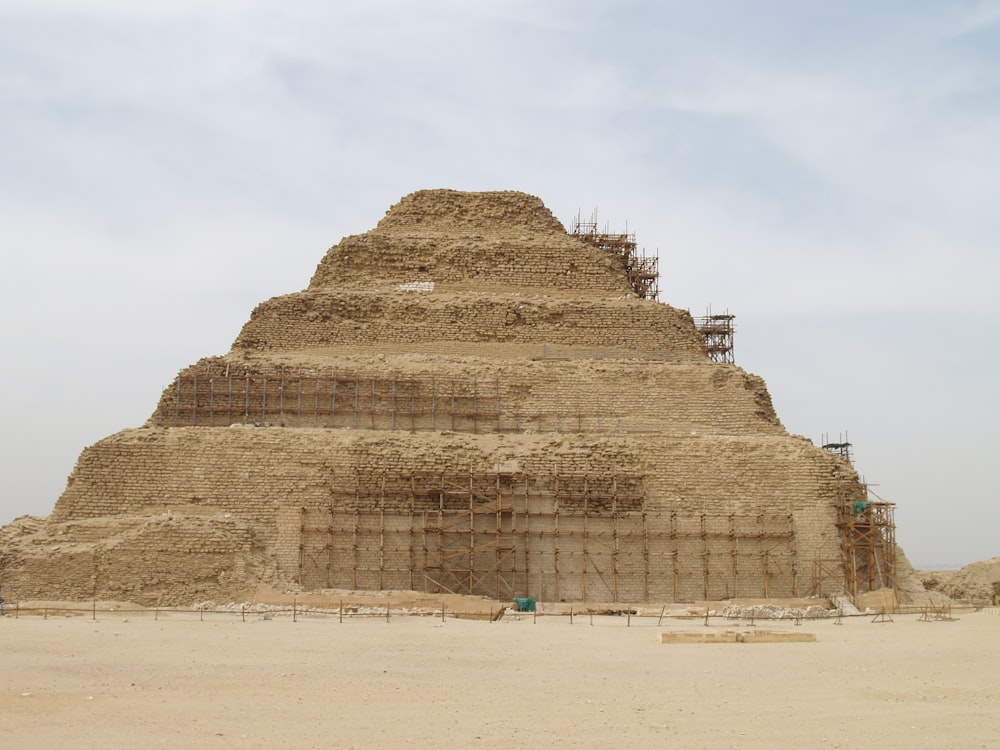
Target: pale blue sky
<point x="829" y="172"/>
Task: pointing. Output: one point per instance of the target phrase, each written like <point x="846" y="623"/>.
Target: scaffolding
<point x="221" y="397"/>
<point x="642" y="270"/>
<point x="717" y="333"/>
<point x="841" y="447"/>
<point x="556" y="537"/>
<point x="867" y="538"/>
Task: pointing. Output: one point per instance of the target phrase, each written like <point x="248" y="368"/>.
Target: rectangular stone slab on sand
<point x="732" y="636"/>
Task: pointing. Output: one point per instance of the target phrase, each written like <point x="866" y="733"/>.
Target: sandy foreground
<point x="178" y="682"/>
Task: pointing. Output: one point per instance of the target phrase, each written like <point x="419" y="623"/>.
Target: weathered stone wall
<point x="383" y="262"/>
<point x="310" y="320"/>
<point x="150" y="560"/>
<point x="720" y="516"/>
<point x="469" y="240"/>
<point x="548" y="395"/>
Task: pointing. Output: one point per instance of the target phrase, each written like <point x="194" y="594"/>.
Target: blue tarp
<point x="524" y="603"/>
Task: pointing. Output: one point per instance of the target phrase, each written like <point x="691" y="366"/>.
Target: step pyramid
<point x="467" y="399"/>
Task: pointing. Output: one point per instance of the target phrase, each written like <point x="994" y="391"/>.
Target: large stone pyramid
<point x="467" y="399"/>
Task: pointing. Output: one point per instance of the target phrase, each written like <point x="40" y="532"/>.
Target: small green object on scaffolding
<point x="524" y="603"/>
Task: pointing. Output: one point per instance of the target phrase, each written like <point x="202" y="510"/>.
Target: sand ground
<point x="177" y="682"/>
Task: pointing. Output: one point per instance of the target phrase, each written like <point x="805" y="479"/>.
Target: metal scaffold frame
<point x="867" y="537"/>
<point x="842" y="447"/>
<point x="554" y="537"/>
<point x="642" y="270"/>
<point x="717" y="332"/>
<point x="207" y="397"/>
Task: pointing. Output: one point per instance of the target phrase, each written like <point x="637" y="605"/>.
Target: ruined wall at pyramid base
<point x="557" y="517"/>
<point x="148" y="559"/>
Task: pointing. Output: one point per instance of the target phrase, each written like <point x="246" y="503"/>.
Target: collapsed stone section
<point x="465" y="399"/>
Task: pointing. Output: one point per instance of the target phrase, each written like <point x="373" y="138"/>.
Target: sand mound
<point x="974" y="582"/>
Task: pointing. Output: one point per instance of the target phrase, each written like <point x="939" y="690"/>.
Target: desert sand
<point x="128" y="680"/>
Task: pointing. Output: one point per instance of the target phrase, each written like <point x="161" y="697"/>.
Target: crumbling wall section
<point x="149" y="560"/>
<point x="453" y="240"/>
<point x="387" y="262"/>
<point x="624" y="397"/>
<point x="603" y="518"/>
<point x="310" y="320"/>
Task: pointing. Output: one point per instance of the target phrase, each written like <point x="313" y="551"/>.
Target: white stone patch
<point x="416" y="286"/>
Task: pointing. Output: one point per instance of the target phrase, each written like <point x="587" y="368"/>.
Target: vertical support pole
<point x="177" y="402"/>
<point x="762" y="549"/>
<point x="795" y="572"/>
<point x="614" y="536"/>
<point x="381" y="546"/>
<point x="675" y="553"/>
<point x="211" y="402"/>
<point x="527" y="545"/>
<point x="413" y="514"/>
<point x="357" y="396"/>
<point x="246" y="398"/>
<point x="229" y="400"/>
<point x="586" y="557"/>
<point x="475" y="405"/>
<point x="734" y="549"/>
<point x="333" y="402"/>
<point x="281" y="396"/>
<point x="645" y="555"/>
<point x="555" y="535"/>
<point x="263" y="403"/>
<point x="381" y="534"/>
<point x="194" y="399"/>
<point x="354" y="545"/>
<point x="330" y="532"/>
<point x="316" y="404"/>
<point x="472" y="538"/>
<point x="705" y="557"/>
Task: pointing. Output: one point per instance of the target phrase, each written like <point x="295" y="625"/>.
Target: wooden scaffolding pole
<point x="555" y="535"/>
<point x="586" y="558"/>
<point x="614" y="536"/>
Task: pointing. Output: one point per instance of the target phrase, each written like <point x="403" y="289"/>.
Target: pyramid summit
<point x="466" y="399"/>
